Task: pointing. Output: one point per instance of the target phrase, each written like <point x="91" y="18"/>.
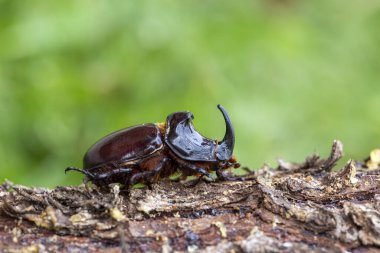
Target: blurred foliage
<point x="294" y="75"/>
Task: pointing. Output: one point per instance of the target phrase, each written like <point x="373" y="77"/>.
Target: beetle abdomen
<point x="126" y="144"/>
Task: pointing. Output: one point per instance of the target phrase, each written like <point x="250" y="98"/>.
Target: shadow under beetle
<point x="148" y="152"/>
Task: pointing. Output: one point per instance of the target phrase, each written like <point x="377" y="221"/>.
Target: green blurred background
<point x="294" y="75"/>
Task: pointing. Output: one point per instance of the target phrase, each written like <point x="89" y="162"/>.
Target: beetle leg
<point x="142" y="175"/>
<point x="148" y="174"/>
<point x="196" y="169"/>
<point x="111" y="173"/>
<point x="192" y="168"/>
<point x="89" y="174"/>
<point x="194" y="182"/>
<point x="102" y="175"/>
<point x="203" y="172"/>
<point x="222" y="176"/>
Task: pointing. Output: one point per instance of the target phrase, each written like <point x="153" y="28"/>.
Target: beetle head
<point x="187" y="143"/>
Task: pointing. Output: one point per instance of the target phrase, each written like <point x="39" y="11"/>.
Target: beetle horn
<point x="226" y="146"/>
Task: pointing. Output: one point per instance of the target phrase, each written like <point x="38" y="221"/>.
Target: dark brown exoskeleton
<point x="149" y="152"/>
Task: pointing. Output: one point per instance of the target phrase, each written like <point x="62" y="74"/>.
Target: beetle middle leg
<point x="149" y="176"/>
<point x="194" y="182"/>
<point x="189" y="169"/>
<point x="222" y="176"/>
<point x="200" y="170"/>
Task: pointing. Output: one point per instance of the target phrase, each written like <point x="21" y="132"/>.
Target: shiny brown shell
<point x="131" y="143"/>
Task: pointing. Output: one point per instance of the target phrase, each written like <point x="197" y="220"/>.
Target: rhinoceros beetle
<point x="148" y="152"/>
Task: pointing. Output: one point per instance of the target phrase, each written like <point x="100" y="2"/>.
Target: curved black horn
<point x="226" y="146"/>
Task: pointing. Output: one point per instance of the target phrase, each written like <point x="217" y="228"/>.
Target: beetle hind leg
<point x="88" y="174"/>
<point x="105" y="175"/>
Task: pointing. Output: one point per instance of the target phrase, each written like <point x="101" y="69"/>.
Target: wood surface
<point x="296" y="207"/>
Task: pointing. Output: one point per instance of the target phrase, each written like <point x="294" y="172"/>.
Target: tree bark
<point x="305" y="207"/>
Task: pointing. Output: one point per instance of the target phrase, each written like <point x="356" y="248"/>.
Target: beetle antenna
<point x="89" y="174"/>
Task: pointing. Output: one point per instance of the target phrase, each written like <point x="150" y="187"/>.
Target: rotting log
<point x="296" y="207"/>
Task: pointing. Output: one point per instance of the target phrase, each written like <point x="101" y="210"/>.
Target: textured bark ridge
<point x="296" y="207"/>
